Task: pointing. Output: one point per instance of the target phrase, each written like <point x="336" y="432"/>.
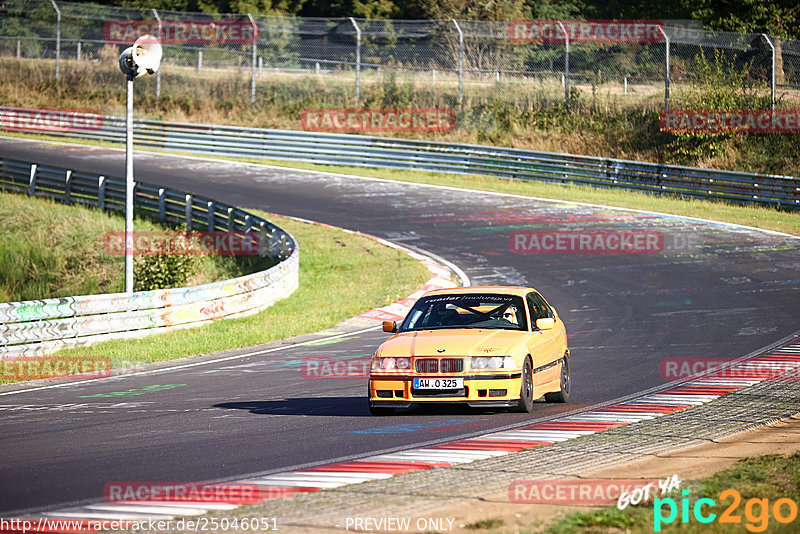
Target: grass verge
<point x="60" y="255"/>
<point x="63" y="254"/>
<point x="341" y="275"/>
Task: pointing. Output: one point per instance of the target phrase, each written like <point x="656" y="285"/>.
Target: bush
<point x="170" y="268"/>
<point x="721" y="85"/>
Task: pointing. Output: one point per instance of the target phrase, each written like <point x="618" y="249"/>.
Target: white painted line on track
<point x="166" y="508"/>
<point x="83" y="513"/>
<point x="613" y="417"/>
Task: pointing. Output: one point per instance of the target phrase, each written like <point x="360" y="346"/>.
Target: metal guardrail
<point x="455" y="158"/>
<point x="39" y="327"/>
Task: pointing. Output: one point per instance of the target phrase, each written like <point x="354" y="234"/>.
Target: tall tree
<point x="474" y="9"/>
<point x="777" y="17"/>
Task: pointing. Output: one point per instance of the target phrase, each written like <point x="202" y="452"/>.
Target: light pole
<point x="144" y="57"/>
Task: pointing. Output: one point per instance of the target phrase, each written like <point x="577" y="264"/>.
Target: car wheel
<point x="380" y="410"/>
<point x="563" y="394"/>
<point x="526" y="388"/>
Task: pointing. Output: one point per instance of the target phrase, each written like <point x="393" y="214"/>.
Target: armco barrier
<point x="385" y="152"/>
<point x="39" y="327"/>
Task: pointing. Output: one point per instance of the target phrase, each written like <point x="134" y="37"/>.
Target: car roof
<point x="508" y="290"/>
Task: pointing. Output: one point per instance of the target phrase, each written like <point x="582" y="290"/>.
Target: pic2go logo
<point x="756" y="511"/>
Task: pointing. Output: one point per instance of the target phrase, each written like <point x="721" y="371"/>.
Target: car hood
<point x="478" y="342"/>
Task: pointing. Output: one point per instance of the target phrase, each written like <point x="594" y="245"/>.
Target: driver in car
<point x="510" y="315"/>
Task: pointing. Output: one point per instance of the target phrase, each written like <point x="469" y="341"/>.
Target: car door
<point x="545" y="344"/>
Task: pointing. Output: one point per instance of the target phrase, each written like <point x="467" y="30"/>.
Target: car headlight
<point x="390" y="363"/>
<point x="493" y="362"/>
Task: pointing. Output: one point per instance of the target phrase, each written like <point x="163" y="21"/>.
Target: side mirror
<point x="547" y="323"/>
<point x="390" y="326"/>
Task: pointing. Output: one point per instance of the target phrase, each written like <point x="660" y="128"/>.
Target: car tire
<point x="525" y="404"/>
<point x="566" y="382"/>
<point x="380" y="410"/>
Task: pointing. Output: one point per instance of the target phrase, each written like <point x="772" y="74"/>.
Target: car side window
<point x="539" y="308"/>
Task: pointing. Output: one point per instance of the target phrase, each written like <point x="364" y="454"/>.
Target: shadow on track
<point x="342" y="407"/>
<point x="327" y="406"/>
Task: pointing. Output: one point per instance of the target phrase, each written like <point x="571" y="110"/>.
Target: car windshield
<point x="492" y="311"/>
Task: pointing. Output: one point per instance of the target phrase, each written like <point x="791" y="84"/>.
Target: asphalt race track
<point x="707" y="291"/>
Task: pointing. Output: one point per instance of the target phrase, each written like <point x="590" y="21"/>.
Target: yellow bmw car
<point x="481" y="346"/>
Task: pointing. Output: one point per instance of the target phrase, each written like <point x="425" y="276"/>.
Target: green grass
<point x="341" y="275"/>
<point x="770" y="477"/>
<point x="484" y="524"/>
<point x="62" y="254"/>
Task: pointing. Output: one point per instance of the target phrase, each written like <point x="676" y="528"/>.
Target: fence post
<point x="211" y="221"/>
<point x="772" y="69"/>
<point x="666" y="68"/>
<point x="32" y="181"/>
<point x="19" y="51"/>
<point x="358" y="58"/>
<point x="262" y="239"/>
<point x="101" y="192"/>
<point x="199" y="60"/>
<point x="58" y="38"/>
<point x="158" y="72"/>
<point x="162" y="204"/>
<point x="187" y="212"/>
<point x="566" y="63"/>
<point x="68" y="187"/>
<point x="231" y="220"/>
<point x="253" y="59"/>
<point x="460" y="61"/>
<point x="79" y="52"/>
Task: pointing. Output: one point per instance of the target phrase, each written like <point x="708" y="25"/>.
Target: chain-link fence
<point x="345" y="63"/>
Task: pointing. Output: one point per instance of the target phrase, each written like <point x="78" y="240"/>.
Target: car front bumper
<point x="480" y="390"/>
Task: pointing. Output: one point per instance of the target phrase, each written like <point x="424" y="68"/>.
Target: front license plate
<point x="438" y="383"/>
